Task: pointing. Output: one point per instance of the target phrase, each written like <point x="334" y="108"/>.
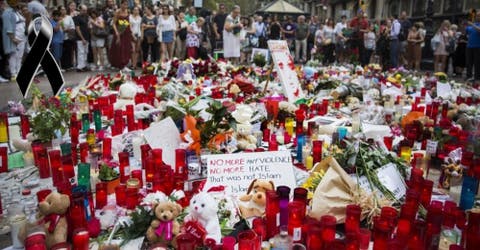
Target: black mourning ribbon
<point x="40" y="34"/>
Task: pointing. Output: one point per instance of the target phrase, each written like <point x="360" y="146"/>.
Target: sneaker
<point x="3" y="80"/>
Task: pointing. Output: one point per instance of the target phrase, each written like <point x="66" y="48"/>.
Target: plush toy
<point x="243" y="115"/>
<point x="52" y="215"/>
<point x="203" y="209"/>
<point x="451" y="169"/>
<point x="165" y="227"/>
<point x="255" y="198"/>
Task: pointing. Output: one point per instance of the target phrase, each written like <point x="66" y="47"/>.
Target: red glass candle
<point x="55" y="166"/>
<point x="388" y="141"/>
<point x="100" y="195"/>
<point x="296" y="215"/>
<point x="248" y="240"/>
<point x="36" y="149"/>
<point x="266" y="135"/>
<point x="434" y="223"/>
<point x="83" y="152"/>
<point x="145" y="152"/>
<point x="272" y="143"/>
<point x="138" y="174"/>
<point x="364" y="236"/>
<point x="186" y="241"/>
<point x="328" y="224"/>
<point x="228" y="243"/>
<point x="42" y="194"/>
<point x="258" y="225"/>
<point x="403" y="230"/>
<point x="317" y="151"/>
<point x="417" y="237"/>
<point x="107" y="148"/>
<point x="181" y="163"/>
<point x="408" y="212"/>
<point x="389" y="214"/>
<point x="77" y="213"/>
<point x="80" y="239"/>
<point x="381" y="236"/>
<point x="131" y="199"/>
<point x="130" y="118"/>
<point x="352" y="219"/>
<point x="24" y="125"/>
<point x="149" y="173"/>
<point x="314" y="237"/>
<point x="124" y="166"/>
<point x="120" y="195"/>
<point x="157" y="155"/>
<point x="473" y="231"/>
<point x="272" y="212"/>
<point x="43" y="164"/>
<point x="3" y="159"/>
<point x="426" y="193"/>
<point x="301" y="194"/>
<point x="74" y="154"/>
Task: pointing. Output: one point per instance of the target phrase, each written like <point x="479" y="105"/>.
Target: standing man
<point x="288" y="31"/>
<point x="402" y="38"/>
<point x="107" y="15"/>
<point x="360" y="26"/>
<point x="473" y="49"/>
<point x="218" y="23"/>
<point x="261" y="32"/>
<point x="394" y="42"/>
<point x="301" y="34"/>
<point x="191" y="16"/>
<point x="341" y="40"/>
<point x="14" y="26"/>
<point x="83" y="38"/>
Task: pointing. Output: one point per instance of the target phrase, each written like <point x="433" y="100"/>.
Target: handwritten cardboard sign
<point x="286" y="69"/>
<point x="237" y="171"/>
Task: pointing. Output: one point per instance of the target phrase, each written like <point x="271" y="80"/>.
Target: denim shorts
<point x="167" y="36"/>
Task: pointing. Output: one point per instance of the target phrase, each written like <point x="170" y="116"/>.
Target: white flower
<point x="243" y="114"/>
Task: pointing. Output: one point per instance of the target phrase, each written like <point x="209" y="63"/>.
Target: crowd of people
<point x="120" y="37"/>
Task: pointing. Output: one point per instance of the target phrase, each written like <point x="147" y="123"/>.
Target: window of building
<point x="437" y="6"/>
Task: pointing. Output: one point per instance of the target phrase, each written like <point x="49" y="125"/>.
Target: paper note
<point x="444" y="90"/>
<point x="164" y="135"/>
<point x="237" y="171"/>
<point x="392" y="180"/>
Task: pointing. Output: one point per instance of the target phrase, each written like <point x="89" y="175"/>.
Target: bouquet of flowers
<point x="122" y="25"/>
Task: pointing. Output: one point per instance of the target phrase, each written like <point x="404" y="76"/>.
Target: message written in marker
<point x="237" y="171"/>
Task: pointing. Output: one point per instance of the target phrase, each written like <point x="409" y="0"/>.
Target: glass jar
<point x="17" y="220"/>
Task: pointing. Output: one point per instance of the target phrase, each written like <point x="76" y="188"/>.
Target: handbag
<point x="435" y="42"/>
<point x="98" y="32"/>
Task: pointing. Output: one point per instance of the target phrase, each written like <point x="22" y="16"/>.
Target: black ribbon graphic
<point x="40" y="34"/>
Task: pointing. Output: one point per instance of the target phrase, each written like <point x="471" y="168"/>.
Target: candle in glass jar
<point x="24" y="125"/>
<point x="80" y="239"/>
<point x="284" y="196"/>
<point x="352" y="219"/>
<point x="100" y="195"/>
<point x="107" y="148"/>
<point x="328" y="224"/>
<point x="296" y="215"/>
<point x="272" y="213"/>
<point x="131" y="198"/>
<point x="124" y="166"/>
<point x="3" y="128"/>
<point x="120" y="195"/>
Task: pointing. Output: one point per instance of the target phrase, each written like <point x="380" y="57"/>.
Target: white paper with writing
<point x="392" y="180"/>
<point x="237" y="171"/>
<point x="432" y="147"/>
<point x="164" y="135"/>
<point x="283" y="62"/>
<point x="444" y="90"/>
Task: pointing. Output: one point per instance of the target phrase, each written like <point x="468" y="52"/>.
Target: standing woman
<point x="121" y="48"/>
<point x="180" y="42"/>
<point x="72" y="9"/>
<point x="149" y="38"/>
<point x="459" y="60"/>
<point x="415" y="40"/>
<point x="274" y="29"/>
<point x="68" y="27"/>
<point x="328" y="42"/>
<point x="231" y="35"/>
<point x="194" y="37"/>
<point x="167" y="25"/>
<point x="440" y="52"/>
<point x="99" y="34"/>
<point x="135" y="23"/>
<point x="18" y="38"/>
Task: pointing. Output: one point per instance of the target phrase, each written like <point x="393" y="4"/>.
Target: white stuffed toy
<point x="243" y="115"/>
<point x="203" y="208"/>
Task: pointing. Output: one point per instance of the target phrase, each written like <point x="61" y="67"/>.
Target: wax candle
<point x="55" y="166"/>
<point x="473" y="230"/>
<point x="80" y="239"/>
<point x="138" y="174"/>
<point x="131" y="198"/>
<point x="352" y="219"/>
<point x="272" y="213"/>
<point x="284" y="196"/>
<point x="3" y="127"/>
<point x="381" y="236"/>
<point x="84" y="151"/>
<point x="149" y="173"/>
<point x="145" y="152"/>
<point x="130" y="118"/>
<point x="97" y="119"/>
<point x="314" y="237"/>
<point x="296" y="215"/>
<point x="120" y="195"/>
<point x="77" y="213"/>
<point x="181" y="164"/>
<point x="85" y="123"/>
<point x="107" y="148"/>
<point x="124" y="166"/>
<point x="328" y="224"/>
<point x="248" y="240"/>
<point x="272" y="143"/>
<point x="426" y="193"/>
<point x="24" y="125"/>
<point x="100" y="195"/>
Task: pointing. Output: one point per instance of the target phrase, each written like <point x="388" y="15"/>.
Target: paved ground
<point x="11" y="92"/>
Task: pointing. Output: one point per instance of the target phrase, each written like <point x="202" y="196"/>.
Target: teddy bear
<point x="51" y="214"/>
<point x="255" y="199"/>
<point x="203" y="209"/>
<point x="165" y="227"/>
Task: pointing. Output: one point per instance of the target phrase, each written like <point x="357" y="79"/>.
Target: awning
<point x="281" y="6"/>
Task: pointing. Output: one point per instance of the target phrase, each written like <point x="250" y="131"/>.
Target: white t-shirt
<point x="68" y="24"/>
<point x="369" y="40"/>
<point x="339" y="27"/>
<point x="328" y="33"/>
<point x="20" y="27"/>
<point x="166" y="24"/>
<point x="135" y="24"/>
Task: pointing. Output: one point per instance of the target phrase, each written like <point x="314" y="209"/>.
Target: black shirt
<point x="275" y="31"/>
<point x="151" y="32"/>
<point x="82" y="22"/>
<point x="219" y="19"/>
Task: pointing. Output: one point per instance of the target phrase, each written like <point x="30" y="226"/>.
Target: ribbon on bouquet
<point x="40" y="34"/>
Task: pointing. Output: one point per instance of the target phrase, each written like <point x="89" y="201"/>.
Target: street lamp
<point x="427" y="53"/>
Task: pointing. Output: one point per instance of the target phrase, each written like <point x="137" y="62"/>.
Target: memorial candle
<point x="130" y="118"/>
<point x="145" y="152"/>
<point x="81" y="239"/>
<point x="24" y="125"/>
<point x="124" y="166"/>
<point x="3" y="128"/>
<point x="296" y="215"/>
<point x="100" y="195"/>
<point x="352" y="219"/>
<point x="107" y="148"/>
<point x="284" y="197"/>
<point x="272" y="212"/>
<point x="181" y="164"/>
<point x="83" y="152"/>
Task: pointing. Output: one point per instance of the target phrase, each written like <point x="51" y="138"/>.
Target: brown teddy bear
<point x="255" y="198"/>
<point x="52" y="215"/>
<point x="165" y="227"/>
